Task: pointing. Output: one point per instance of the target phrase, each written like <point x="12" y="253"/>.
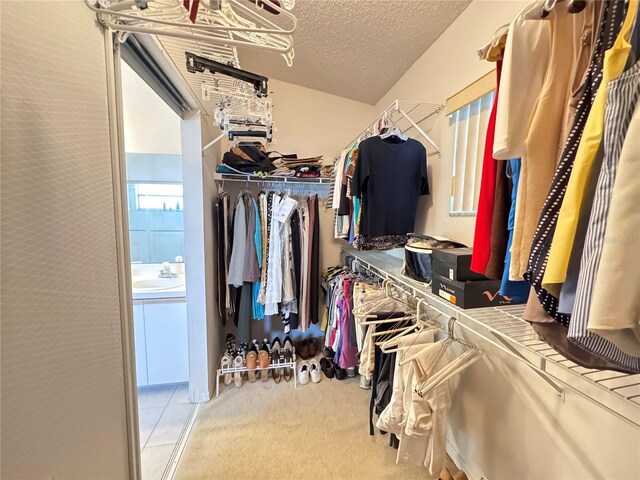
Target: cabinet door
<point x="141" y="348"/>
<point x="166" y="340"/>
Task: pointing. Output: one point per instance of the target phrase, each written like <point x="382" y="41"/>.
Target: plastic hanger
<point x="394" y="131"/>
<point x="450" y="340"/>
<point x="493" y="50"/>
<point x="421" y="326"/>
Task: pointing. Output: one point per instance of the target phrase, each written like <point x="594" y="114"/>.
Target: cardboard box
<point x="455" y="264"/>
<point x="476" y="294"/>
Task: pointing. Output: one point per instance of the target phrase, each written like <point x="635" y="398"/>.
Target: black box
<point x="476" y="294"/>
<point x="454" y="264"/>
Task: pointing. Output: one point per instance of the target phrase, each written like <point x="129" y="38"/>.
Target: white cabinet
<point x="141" y="344"/>
<point x="162" y="350"/>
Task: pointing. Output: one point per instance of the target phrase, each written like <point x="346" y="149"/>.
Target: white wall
<point x="62" y="378"/>
<point x="448" y="66"/>
<point x="200" y="255"/>
<point x="150" y="124"/>
<point x="506" y="422"/>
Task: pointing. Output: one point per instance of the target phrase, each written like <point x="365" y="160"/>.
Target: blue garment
<point x="518" y="291"/>
<point x="258" y="308"/>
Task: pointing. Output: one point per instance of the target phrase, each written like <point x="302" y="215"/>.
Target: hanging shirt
<point x="482" y="235"/>
<point x="236" y="263"/>
<point x="390" y="177"/>
<point x="614" y="62"/>
<point x="542" y="140"/>
<point x="622" y="97"/>
<point x="618" y="321"/>
<point x="517" y="290"/>
<point x="612" y="17"/>
<point x="525" y="64"/>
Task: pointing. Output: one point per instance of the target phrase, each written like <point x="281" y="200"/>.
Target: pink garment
<point x="348" y="355"/>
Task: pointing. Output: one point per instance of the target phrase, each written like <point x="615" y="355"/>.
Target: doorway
<point x="152" y="144"/>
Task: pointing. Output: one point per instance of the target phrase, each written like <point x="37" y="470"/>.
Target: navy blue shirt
<point x="389" y="178"/>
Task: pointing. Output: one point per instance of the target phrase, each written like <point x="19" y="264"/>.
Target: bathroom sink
<point x="150" y="283"/>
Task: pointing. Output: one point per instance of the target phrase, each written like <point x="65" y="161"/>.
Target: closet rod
<point x="231" y="177"/>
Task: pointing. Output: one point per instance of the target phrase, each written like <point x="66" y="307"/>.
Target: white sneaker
<point x="238" y="362"/>
<point x="364" y="383"/>
<point x="303" y="372"/>
<point x="314" y="369"/>
<point x="225" y="364"/>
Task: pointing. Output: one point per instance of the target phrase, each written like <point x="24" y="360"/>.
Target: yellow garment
<point x="614" y="61"/>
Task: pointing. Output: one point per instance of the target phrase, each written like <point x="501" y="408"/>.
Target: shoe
<point x="303" y="372"/>
<point x="329" y="353"/>
<point x="226" y="363"/>
<point x="341" y="373"/>
<point x="237" y="376"/>
<point x="314" y="345"/>
<point x="231" y="343"/>
<point x="364" y="383"/>
<point x="252" y="363"/>
<point x="263" y="362"/>
<point x="288" y="357"/>
<point x="314" y="370"/>
<point x="275" y="359"/>
<point x="445" y="474"/>
<point x="302" y="349"/>
<point x="351" y="372"/>
<point x="327" y="367"/>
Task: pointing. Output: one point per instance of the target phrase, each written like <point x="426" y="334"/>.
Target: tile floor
<point x="164" y="411"/>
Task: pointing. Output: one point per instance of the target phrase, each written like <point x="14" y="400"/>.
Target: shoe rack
<point x="281" y="363"/>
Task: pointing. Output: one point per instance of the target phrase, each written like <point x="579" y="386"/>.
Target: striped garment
<point x="622" y="97"/>
<point x="612" y="17"/>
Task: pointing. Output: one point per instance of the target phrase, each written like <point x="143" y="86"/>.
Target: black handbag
<point x="417" y="255"/>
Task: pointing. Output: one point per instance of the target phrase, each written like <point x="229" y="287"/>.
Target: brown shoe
<point x="302" y="349"/>
<point x="314" y="344"/>
<point x="263" y="362"/>
<point x="445" y="474"/>
<point x="252" y="364"/>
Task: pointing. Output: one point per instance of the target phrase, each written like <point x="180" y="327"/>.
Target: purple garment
<point x="348" y="354"/>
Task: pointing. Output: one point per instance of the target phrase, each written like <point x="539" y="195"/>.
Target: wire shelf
<point x="236" y="177"/>
<point x="504" y="328"/>
<point x="406" y="115"/>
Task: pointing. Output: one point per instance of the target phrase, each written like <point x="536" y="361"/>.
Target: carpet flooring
<point x="273" y="431"/>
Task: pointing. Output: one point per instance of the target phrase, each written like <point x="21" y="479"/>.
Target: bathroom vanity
<point x="160" y="327"/>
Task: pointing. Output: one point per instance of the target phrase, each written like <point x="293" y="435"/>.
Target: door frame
<point x="200" y="315"/>
<point x="125" y="288"/>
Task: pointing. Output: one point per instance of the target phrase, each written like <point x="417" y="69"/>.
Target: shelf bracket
<point x="539" y="371"/>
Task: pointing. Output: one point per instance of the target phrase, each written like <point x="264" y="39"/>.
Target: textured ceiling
<point x="356" y="48"/>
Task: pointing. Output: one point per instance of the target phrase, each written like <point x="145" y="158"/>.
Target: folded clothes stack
<point x="250" y="159"/>
<point x="292" y="166"/>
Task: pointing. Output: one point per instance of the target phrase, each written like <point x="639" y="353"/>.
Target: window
<point x="156" y="222"/>
<point x="158" y="196"/>
<point x="468" y="129"/>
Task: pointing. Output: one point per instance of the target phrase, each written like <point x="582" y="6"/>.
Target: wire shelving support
<point x="503" y="327"/>
<point x="407" y="115"/>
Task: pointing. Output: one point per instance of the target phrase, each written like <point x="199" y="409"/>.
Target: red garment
<point x="482" y="236"/>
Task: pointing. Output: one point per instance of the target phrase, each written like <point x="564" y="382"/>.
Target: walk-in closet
<point x="320" y="239"/>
